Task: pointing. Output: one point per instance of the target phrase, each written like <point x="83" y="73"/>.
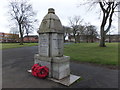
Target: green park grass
<point x="83" y="52"/>
<point x="15" y="45"/>
<point x="92" y="53"/>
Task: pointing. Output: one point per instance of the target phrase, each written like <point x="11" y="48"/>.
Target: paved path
<point x="16" y="61"/>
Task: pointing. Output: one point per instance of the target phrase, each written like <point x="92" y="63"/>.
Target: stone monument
<point x="50" y="49"/>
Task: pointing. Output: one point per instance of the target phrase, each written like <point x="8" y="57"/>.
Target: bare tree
<point x="81" y="33"/>
<point x="90" y="33"/>
<point x="21" y="12"/>
<point x="74" y="23"/>
<point x="108" y="8"/>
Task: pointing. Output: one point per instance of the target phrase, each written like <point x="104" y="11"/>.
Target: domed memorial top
<point x="51" y="23"/>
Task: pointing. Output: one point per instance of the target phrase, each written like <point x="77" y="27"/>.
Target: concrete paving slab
<point x="67" y="81"/>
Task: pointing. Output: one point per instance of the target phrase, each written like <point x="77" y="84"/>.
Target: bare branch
<point x="102" y="6"/>
<point x="23" y="13"/>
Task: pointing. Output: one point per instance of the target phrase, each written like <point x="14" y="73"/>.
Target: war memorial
<point x="50" y="50"/>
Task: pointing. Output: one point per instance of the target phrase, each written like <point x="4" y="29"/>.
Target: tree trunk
<point x="21" y="35"/>
<point x="92" y="41"/>
<point x="109" y="39"/>
<point x="75" y="38"/>
<point x="78" y="38"/>
<point x="102" y="40"/>
<point x="21" y="40"/>
<point x="87" y="39"/>
<point x="28" y="38"/>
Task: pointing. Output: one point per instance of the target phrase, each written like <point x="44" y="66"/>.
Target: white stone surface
<point x="60" y="69"/>
<point x="44" y="44"/>
<point x="56" y="45"/>
<point x="51" y="44"/>
<point x="51" y="23"/>
<point x="67" y="81"/>
<point x="61" y="59"/>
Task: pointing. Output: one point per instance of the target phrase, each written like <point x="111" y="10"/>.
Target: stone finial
<point x="51" y="23"/>
<point x="51" y="10"/>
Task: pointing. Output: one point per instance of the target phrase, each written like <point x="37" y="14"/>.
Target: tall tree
<point x="22" y="14"/>
<point x="90" y="33"/>
<point x="74" y="23"/>
<point x="81" y="33"/>
<point x="108" y="8"/>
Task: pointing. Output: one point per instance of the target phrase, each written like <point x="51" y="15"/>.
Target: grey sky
<point x="63" y="9"/>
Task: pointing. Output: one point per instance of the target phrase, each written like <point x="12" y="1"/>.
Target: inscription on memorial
<point x="57" y="43"/>
<point x="44" y="45"/>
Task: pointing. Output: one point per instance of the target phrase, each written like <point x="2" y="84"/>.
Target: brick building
<point x="30" y="38"/>
<point x="8" y="37"/>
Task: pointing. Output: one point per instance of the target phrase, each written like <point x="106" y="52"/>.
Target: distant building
<point x="8" y="37"/>
<point x="113" y="38"/>
<point x="83" y="38"/>
<point x="86" y="38"/>
<point x="30" y="38"/>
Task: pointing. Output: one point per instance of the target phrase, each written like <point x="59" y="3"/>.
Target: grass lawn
<point x="15" y="45"/>
<point x="83" y="52"/>
<point x="91" y="52"/>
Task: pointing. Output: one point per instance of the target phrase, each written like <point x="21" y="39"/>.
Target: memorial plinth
<point x="50" y="48"/>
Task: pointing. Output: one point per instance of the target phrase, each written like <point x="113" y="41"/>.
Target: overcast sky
<point x="63" y="9"/>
